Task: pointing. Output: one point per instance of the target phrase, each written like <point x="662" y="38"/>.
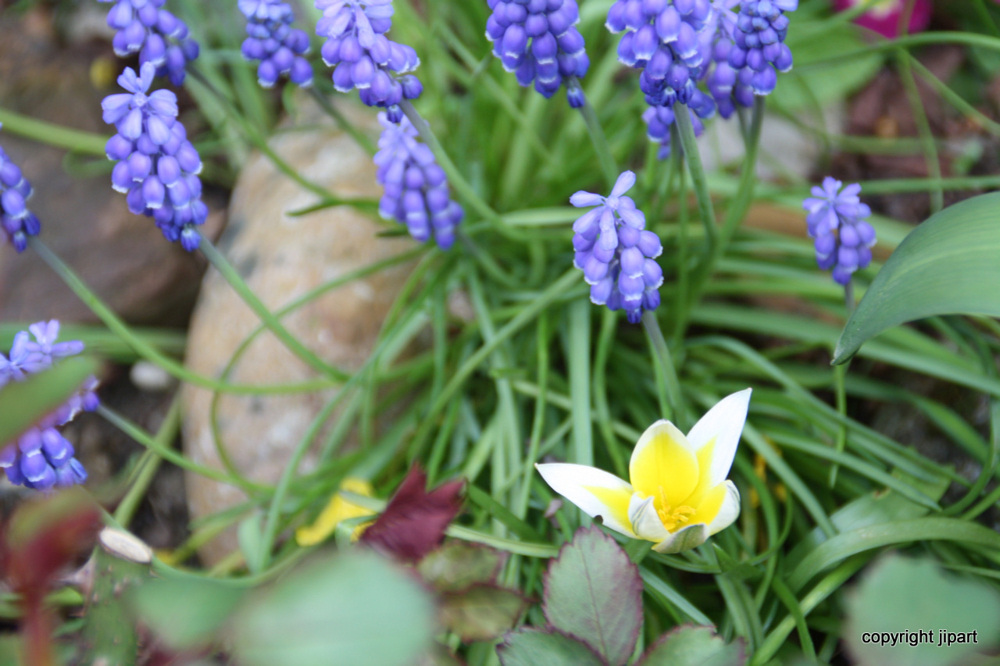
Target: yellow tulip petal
<point x="596" y="492"/>
<point x="690" y="537"/>
<point x="662" y="465"/>
<point x="728" y="512"/>
<point x="645" y="521"/>
<point x="337" y="511"/>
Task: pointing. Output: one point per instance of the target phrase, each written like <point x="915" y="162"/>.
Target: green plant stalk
<point x="903" y="59"/>
<point x="578" y="359"/>
<point x="164" y="438"/>
<point x="232" y="276"/>
<point x="734" y="216"/>
<point x="359" y="137"/>
<point x="664" y="362"/>
<point x="146" y="350"/>
<point x="538" y="421"/>
<point x="52" y="134"/>
<point x="839" y="376"/>
<point x="689" y="142"/>
<point x="600" y="141"/>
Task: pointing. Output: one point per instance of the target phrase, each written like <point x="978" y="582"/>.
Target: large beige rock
<point x="282" y="257"/>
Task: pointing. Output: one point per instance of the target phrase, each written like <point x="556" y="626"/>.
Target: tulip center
<point x="672" y="517"/>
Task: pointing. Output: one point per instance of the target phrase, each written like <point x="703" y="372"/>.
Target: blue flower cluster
<point x="273" y="42"/>
<point x="416" y="188"/>
<point x="160" y="37"/>
<point x="836" y="220"/>
<point x="615" y="251"/>
<point x="41" y="457"/>
<point x="157" y="166"/>
<point x="362" y="56"/>
<point x="17" y="221"/>
<point x="659" y="120"/>
<point x="539" y="42"/>
<point x="759" y="50"/>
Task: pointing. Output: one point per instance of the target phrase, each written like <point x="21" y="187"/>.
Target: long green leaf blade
<point x="947" y="265"/>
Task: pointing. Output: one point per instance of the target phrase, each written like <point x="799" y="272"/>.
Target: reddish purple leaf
<point x="593" y="592"/>
<point x="414" y="521"/>
<point x="532" y="647"/>
<point x="481" y="612"/>
<point x="691" y="645"/>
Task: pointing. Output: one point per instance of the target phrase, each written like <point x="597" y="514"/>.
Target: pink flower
<point x="884" y="15"/>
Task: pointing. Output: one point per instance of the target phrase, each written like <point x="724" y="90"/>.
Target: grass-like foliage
<point x="482" y="562"/>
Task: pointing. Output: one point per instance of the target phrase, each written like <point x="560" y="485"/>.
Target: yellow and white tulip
<point x="679" y="494"/>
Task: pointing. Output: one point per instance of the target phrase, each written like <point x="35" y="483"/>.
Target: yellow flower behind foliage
<point x="337" y="511"/>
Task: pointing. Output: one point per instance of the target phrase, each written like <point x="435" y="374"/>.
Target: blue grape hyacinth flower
<point x="759" y="51"/>
<point x="41" y="458"/>
<point x="274" y="43"/>
<point x="159" y="37"/>
<point x="836" y="220"/>
<point x="157" y="167"/>
<point x="16" y="220"/>
<point x="539" y="42"/>
<point x="416" y="188"/>
<point x="362" y="56"/>
<point x="615" y="251"/>
<point x="665" y="39"/>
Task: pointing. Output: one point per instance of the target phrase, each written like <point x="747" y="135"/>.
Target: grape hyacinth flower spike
<point x="157" y="167"/>
<point x="677" y="494"/>
<point x="759" y="51"/>
<point x="273" y="42"/>
<point x="416" y="188"/>
<point x="41" y="457"/>
<point x="836" y="220"/>
<point x="160" y="37"/>
<point x="539" y="42"/>
<point x="362" y="56"/>
<point x="615" y="251"/>
<point x="16" y="220"/>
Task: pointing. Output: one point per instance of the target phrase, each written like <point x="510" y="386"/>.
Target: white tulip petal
<point x="645" y="521"/>
<point x="596" y="492"/>
<point x="721" y="428"/>
<point x="729" y="511"/>
<point x="690" y="537"/>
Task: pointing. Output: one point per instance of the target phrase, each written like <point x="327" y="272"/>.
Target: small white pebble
<point x="151" y="377"/>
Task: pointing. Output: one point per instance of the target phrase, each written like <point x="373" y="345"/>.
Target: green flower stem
<point x="905" y="42"/>
<point x="685" y="129"/>
<point x="839" y="387"/>
<point x="520" y="507"/>
<point x="148" y="351"/>
<point x="150" y="463"/>
<point x="53" y="135"/>
<point x="903" y="59"/>
<point x="167" y="453"/>
<point x="664" y="362"/>
<point x="455" y="177"/>
<point x="292" y="343"/>
<point x="734" y="215"/>
<point x="578" y="358"/>
<point x="600" y="141"/>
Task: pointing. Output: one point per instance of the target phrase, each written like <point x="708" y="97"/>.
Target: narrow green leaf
<point x="24" y="403"/>
<point x="354" y="608"/>
<point x="945" y="619"/>
<point x="593" y="592"/>
<point x="941" y="267"/>
<point x="693" y="646"/>
<point x="531" y="647"/>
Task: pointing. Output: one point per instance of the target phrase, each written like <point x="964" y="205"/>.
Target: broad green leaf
<point x="24" y="403"/>
<point x="531" y="647"/>
<point x="693" y="646"/>
<point x="353" y="608"/>
<point x="944" y="266"/>
<point x="919" y="615"/>
<point x="185" y="612"/>
<point x="593" y="592"/>
<point x="482" y="612"/>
